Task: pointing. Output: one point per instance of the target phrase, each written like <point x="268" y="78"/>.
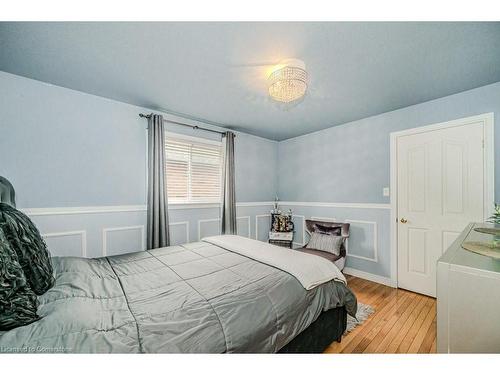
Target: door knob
<point x="403" y="220"/>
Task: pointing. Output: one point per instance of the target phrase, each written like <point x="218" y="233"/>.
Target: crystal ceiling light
<point x="288" y="81"/>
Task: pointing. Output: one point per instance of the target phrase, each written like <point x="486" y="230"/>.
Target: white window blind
<point x="193" y="171"/>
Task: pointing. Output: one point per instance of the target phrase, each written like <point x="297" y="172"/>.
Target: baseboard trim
<point x="370" y="277"/>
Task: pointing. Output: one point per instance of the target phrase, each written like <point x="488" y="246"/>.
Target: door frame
<point x="488" y="169"/>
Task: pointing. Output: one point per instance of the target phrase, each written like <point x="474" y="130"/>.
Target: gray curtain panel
<point x="228" y="217"/>
<point x="157" y="233"/>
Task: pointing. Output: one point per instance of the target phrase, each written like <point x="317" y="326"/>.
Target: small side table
<point x="284" y="239"/>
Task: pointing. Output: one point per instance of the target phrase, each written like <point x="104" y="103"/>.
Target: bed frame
<point x="329" y="327"/>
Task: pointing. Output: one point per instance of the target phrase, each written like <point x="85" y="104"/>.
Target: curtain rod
<point x="194" y="127"/>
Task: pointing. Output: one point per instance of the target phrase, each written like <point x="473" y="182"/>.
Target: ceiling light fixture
<point x="288" y="81"/>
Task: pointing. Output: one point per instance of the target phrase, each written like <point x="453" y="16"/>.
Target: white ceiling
<point x="214" y="71"/>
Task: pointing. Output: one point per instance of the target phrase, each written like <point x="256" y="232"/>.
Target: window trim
<point x="189" y="138"/>
<point x="192" y="138"/>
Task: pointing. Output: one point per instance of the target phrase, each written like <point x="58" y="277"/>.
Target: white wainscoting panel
<point x="78" y="231"/>
<point x="262" y="231"/>
<point x="244" y="227"/>
<point x="69" y="243"/>
<point x="208" y="227"/>
<point x="301" y="241"/>
<point x="121" y="240"/>
<point x="369" y="242"/>
<point x="179" y="236"/>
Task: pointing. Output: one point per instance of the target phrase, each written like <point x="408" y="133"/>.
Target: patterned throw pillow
<point x="325" y="242"/>
<point x="18" y="303"/>
<point x="323" y="229"/>
<point x="29" y="246"/>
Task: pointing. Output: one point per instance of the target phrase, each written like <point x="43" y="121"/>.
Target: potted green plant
<point x="488" y="246"/>
<point x="494" y="219"/>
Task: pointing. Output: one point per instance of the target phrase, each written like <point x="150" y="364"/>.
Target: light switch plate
<point x="385" y="191"/>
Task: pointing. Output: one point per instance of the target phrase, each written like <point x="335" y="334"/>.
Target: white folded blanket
<point x="310" y="270"/>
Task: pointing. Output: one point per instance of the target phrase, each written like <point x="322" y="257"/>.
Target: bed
<point x="194" y="298"/>
<point x="224" y="294"/>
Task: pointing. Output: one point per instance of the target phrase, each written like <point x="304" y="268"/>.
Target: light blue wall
<point x="61" y="147"/>
<point x="64" y="148"/>
<point x="350" y="162"/>
<point x="256" y="166"/>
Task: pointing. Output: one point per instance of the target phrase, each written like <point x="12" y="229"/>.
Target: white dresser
<point x="468" y="299"/>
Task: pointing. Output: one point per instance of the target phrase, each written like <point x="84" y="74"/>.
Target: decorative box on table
<point x="281" y="233"/>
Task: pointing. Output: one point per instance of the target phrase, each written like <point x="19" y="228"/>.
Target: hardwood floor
<point x="403" y="322"/>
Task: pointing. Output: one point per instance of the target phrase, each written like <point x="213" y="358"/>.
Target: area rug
<point x="363" y="313"/>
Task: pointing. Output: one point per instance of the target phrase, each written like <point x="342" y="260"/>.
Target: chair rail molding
<point x="381" y="206"/>
<point x="45" y="211"/>
<point x="254" y="204"/>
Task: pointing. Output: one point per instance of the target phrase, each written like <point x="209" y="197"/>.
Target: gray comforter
<point x="196" y="298"/>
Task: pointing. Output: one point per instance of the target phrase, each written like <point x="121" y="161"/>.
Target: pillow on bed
<point x="18" y="303"/>
<point x="325" y="242"/>
<point x="29" y="246"/>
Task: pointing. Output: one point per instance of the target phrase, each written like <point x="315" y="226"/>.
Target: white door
<point x="440" y="190"/>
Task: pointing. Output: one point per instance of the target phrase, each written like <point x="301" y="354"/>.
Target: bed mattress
<point x="192" y="298"/>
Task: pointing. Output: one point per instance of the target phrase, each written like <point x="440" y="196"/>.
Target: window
<point x="193" y="170"/>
